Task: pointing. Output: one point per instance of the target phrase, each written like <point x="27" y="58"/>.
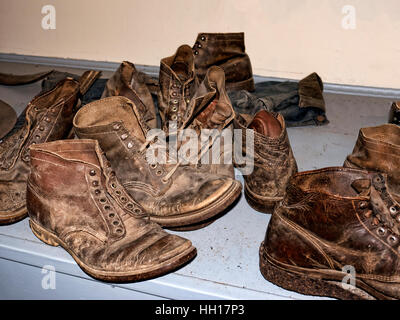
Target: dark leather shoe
<point x="327" y="221"/>
<point x="225" y="50"/>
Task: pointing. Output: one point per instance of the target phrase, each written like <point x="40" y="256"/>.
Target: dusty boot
<point x="174" y="195"/>
<point x="394" y="113"/>
<point x="47" y="117"/>
<point x="130" y="83"/>
<point x="326" y="230"/>
<point x="178" y="83"/>
<point x="75" y="201"/>
<point x="378" y="149"/>
<point x="210" y="109"/>
<point x="274" y="162"/>
<point x="227" y="51"/>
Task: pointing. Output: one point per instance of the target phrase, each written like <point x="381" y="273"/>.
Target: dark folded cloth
<point x="300" y="103"/>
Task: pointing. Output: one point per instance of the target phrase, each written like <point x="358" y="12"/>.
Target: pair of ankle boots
<point x="337" y="231"/>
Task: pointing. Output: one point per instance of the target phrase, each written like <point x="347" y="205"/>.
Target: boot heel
<point x="43" y="235"/>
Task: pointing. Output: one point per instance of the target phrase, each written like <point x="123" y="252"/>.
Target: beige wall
<point x="286" y="38"/>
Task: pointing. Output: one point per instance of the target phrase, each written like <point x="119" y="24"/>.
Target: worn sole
<point x="308" y="282"/>
<point x="7" y="218"/>
<point x="261" y="204"/>
<point x="50" y="238"/>
<point x="200" y="218"/>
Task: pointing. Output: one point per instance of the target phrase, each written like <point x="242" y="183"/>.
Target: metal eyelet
<point x="393" y="211"/>
<point x="153" y="165"/>
<point x="123" y="199"/>
<point x="174" y="109"/>
<point x="113" y="185"/>
<point x="118" y="192"/>
<point x="97" y="192"/>
<point x="196" y="52"/>
<point x="199" y="45"/>
<point x="92" y="172"/>
<point x="102" y="200"/>
<point x="47" y="119"/>
<point x="363" y="205"/>
<point x="203" y="38"/>
<point x="118" y="230"/>
<point x="124" y="136"/>
<point x="381" y="231"/>
<point x="115" y="223"/>
<point x="116" y="126"/>
<point x="158" y="173"/>
<point x="129" y="205"/>
<point x="111" y="215"/>
<point x="138" y="211"/>
<point x="392" y="239"/>
<point x="107" y="207"/>
<point x="95" y="183"/>
<point x="174" y="117"/>
<point x="41" y="128"/>
<point x="129" y="145"/>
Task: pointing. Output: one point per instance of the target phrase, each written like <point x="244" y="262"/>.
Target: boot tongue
<point x="183" y="63"/>
<point x="211" y="107"/>
<point x="266" y="124"/>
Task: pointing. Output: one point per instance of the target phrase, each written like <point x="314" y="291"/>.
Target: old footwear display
<point x="75" y="201"/>
<point x="394" y="113"/>
<point x="174" y="195"/>
<point x="274" y="162"/>
<point x="178" y="83"/>
<point x="327" y="225"/>
<point x="226" y="50"/>
<point x="47" y="117"/>
<point x="378" y="149"/>
<point x="130" y="83"/>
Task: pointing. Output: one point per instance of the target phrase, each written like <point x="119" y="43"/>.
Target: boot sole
<point x="247" y="85"/>
<point x="198" y="219"/>
<point x="17" y="216"/>
<point x="50" y="238"/>
<point x="261" y="204"/>
<point x="317" y="285"/>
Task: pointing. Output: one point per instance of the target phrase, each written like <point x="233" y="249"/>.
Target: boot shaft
<point x="226" y="50"/>
<point x="378" y="149"/>
<point x="128" y="82"/>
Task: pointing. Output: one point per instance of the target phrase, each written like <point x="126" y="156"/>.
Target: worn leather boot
<point x="178" y="83"/>
<point x="174" y="195"/>
<point x="227" y="51"/>
<point x="128" y="82"/>
<point x="378" y="149"/>
<point x="326" y="226"/>
<point x="211" y="109"/>
<point x="47" y="117"/>
<point x="394" y="113"/>
<point x="274" y="162"/>
<point x="75" y="201"/>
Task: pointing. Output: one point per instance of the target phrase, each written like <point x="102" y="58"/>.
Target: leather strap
<point x="16" y="80"/>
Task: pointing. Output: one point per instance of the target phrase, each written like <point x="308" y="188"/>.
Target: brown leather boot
<point x="174" y="195"/>
<point x="394" y="113"/>
<point x="227" y="51"/>
<point x="47" y="117"/>
<point x="378" y="149"/>
<point x="211" y="109"/>
<point x="326" y="226"/>
<point x="178" y="83"/>
<point x="274" y="162"/>
<point x="75" y="201"/>
<point x="128" y="82"/>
